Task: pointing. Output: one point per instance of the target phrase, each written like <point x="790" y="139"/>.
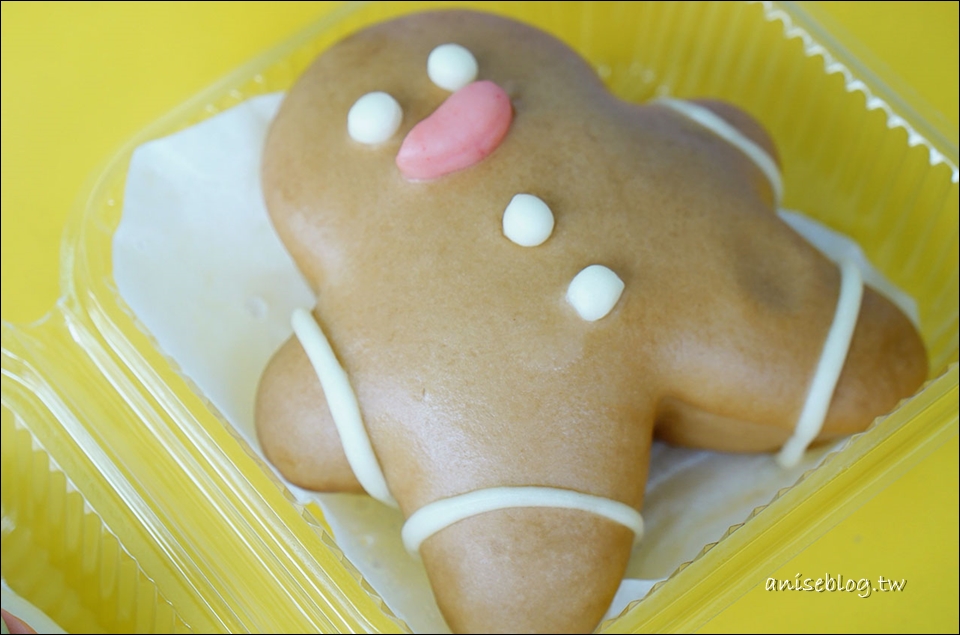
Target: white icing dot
<point x="451" y="67"/>
<point x="374" y="118"/>
<point x="527" y="220"/>
<point x="594" y="292"/>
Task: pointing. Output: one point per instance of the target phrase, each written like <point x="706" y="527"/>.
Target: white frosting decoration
<point x="527" y="220"/>
<point x="374" y="118"/>
<point x="837" y="246"/>
<point x="343" y="405"/>
<point x="828" y="370"/>
<point x="442" y="513"/>
<point x="837" y="345"/>
<point x="451" y="67"/>
<point x="719" y="126"/>
<point x="594" y="292"/>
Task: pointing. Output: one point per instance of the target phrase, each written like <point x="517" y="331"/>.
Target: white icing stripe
<point x="343" y="405"/>
<point x="442" y="513"/>
<point x="719" y="126"/>
<point x="831" y="363"/>
<point x="835" y="246"/>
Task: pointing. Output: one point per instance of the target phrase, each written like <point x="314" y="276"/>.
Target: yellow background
<point x="79" y="79"/>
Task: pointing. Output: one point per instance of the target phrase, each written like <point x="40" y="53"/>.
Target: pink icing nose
<point x="466" y="127"/>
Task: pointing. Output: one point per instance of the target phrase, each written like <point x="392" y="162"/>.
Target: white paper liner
<point x="197" y="260"/>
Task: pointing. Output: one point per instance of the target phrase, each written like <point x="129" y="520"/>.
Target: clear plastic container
<point x="128" y="504"/>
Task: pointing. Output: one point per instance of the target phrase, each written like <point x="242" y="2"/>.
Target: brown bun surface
<point x="471" y="368"/>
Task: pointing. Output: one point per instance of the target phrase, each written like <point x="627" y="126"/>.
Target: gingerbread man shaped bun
<point x="521" y="281"/>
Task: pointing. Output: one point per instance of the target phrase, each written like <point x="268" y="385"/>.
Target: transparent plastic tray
<point x="128" y="504"/>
